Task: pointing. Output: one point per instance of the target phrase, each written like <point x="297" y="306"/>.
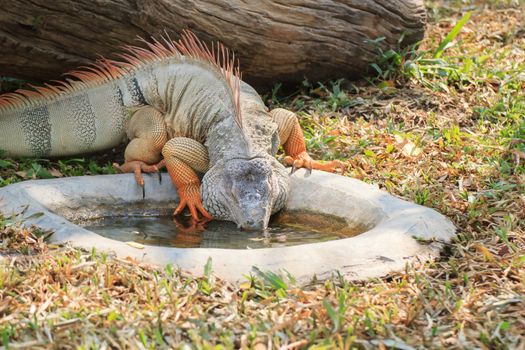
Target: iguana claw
<point x="160" y="165"/>
<point x="190" y="197"/>
<point x="138" y="168"/>
<point x="303" y="160"/>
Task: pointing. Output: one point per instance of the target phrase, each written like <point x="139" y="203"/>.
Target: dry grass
<point x="457" y="145"/>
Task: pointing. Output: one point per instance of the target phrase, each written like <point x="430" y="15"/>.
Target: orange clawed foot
<point x="190" y="197"/>
<point x="303" y="160"/>
<point x="138" y="167"/>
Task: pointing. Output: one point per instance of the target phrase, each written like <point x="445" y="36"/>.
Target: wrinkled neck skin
<point x="245" y="183"/>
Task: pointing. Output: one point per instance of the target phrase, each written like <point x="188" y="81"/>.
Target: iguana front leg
<point x="292" y="140"/>
<point x="147" y="131"/>
<point x="185" y="156"/>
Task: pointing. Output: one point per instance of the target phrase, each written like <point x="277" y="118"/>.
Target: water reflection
<point x="185" y="233"/>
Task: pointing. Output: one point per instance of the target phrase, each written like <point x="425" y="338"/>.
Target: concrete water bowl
<point x="394" y="235"/>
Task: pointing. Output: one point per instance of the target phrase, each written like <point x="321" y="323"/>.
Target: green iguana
<point x="182" y="105"/>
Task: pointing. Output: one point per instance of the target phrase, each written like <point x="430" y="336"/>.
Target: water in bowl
<point x="284" y="230"/>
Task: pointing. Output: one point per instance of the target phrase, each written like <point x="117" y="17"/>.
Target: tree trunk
<point x="276" y="41"/>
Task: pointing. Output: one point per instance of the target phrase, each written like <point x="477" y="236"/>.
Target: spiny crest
<point x="104" y="70"/>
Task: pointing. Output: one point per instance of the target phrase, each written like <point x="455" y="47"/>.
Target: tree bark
<point x="276" y="41"/>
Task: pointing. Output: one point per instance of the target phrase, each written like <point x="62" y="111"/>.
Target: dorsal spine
<point x="105" y="70"/>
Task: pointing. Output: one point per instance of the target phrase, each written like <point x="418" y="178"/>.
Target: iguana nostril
<point x="254" y="197"/>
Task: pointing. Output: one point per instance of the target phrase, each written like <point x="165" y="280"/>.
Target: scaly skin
<point x="181" y="111"/>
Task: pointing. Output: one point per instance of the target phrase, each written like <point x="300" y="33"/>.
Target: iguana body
<point x="181" y="105"/>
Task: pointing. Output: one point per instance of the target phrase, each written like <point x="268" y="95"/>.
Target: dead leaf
<point x="135" y="245"/>
<point x="485" y="252"/>
<point x="22" y="174"/>
<point x="411" y="150"/>
<point x="467" y="182"/>
<point x="245" y="285"/>
<point x="408" y="148"/>
<point x="55" y="172"/>
<point x="503" y="251"/>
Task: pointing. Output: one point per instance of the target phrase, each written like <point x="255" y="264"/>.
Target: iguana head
<point x="246" y="191"/>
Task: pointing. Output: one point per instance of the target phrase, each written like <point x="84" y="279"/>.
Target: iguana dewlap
<point x="181" y="105"/>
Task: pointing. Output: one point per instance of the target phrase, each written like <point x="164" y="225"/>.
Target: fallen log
<point x="276" y="41"/>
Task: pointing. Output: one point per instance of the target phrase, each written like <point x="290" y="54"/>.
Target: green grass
<point x="446" y="132"/>
<point x="12" y="171"/>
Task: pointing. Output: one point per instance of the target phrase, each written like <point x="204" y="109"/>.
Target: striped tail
<point x="76" y="123"/>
